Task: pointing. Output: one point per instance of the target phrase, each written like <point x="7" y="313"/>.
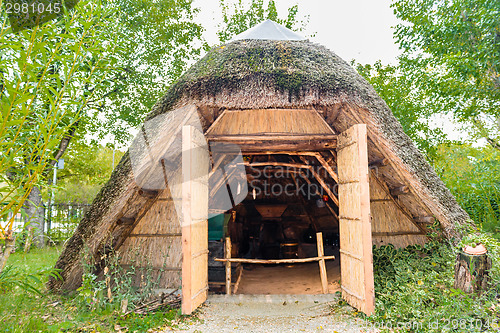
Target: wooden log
<point x="272" y="142"/>
<point x="274" y="261"/>
<point x="471" y="272"/>
<point x="125" y="221"/>
<point x="238" y="280"/>
<point x="400" y="191"/>
<point x="288" y="165"/>
<point x="379" y="163"/>
<point x="322" y="266"/>
<point x="228" y="266"/>
<point x="150" y="194"/>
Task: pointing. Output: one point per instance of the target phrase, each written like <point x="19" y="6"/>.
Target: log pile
<point x="161" y="301"/>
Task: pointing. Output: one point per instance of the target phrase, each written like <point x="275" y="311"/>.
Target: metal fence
<point x="60" y="220"/>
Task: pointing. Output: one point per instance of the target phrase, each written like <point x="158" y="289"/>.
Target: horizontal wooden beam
<point x="398" y="233"/>
<point x="272" y="142"/>
<point x="156" y="235"/>
<point x="283" y="164"/>
<point x="274" y="261"/>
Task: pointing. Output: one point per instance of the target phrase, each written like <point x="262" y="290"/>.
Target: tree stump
<point x="471" y="272"/>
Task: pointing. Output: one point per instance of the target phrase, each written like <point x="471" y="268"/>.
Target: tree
<point x="238" y="17"/>
<point x="86" y="169"/>
<point x="408" y="103"/>
<point x="48" y="74"/>
<point x="157" y="38"/>
<point x="451" y="49"/>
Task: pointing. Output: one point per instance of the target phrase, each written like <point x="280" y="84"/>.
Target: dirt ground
<point x="273" y="313"/>
<point x="283" y="280"/>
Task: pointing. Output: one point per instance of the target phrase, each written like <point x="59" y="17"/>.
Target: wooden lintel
<point x="401" y="190"/>
<point x="271" y="142"/>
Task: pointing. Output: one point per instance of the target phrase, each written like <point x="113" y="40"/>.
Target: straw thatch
<point x="264" y="74"/>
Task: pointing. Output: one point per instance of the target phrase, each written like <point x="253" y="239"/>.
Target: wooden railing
<point x="320" y="259"/>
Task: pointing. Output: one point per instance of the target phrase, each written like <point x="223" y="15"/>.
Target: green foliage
<point x="473" y="176"/>
<point x="86" y="169"/>
<point x="242" y="16"/>
<point x="451" y="50"/>
<point x="48" y="76"/>
<point x="408" y="103"/>
<point x="32" y="312"/>
<point x="11" y="277"/>
<point x="414" y="289"/>
<point x="157" y="38"/>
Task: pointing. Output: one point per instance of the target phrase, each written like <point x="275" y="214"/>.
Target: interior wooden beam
<point x="322" y="182"/>
<point x="284" y="164"/>
<point x="327" y="167"/>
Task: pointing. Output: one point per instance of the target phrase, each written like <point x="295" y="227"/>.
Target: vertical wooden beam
<point x="228" y="265"/>
<point x="356" y="258"/>
<point x="322" y="266"/>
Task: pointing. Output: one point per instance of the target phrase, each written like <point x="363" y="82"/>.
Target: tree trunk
<point x="35" y="216"/>
<point x="4" y="255"/>
<point x="471" y="272"/>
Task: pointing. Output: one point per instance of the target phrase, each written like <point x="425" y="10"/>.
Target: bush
<point x="414" y="291"/>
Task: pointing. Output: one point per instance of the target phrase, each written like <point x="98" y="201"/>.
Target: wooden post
<point x="322" y="266"/>
<point x="228" y="266"/>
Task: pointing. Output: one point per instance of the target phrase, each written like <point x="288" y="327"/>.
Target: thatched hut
<point x="287" y="112"/>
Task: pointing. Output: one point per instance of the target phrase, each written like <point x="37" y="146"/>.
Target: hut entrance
<point x="298" y="214"/>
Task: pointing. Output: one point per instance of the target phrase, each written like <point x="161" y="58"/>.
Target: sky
<point x="354" y="29"/>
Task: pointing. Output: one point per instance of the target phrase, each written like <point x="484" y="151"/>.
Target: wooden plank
<point x="322" y="266"/>
<point x="227" y="254"/>
<point x="355" y="223"/>
<point x="274" y="261"/>
<point x="156" y="235"/>
<point x="195" y="162"/>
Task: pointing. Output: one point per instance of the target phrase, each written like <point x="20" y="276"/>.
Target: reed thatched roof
<point x="264" y="74"/>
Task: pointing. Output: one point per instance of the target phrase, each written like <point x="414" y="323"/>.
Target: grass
<point x="21" y="311"/>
